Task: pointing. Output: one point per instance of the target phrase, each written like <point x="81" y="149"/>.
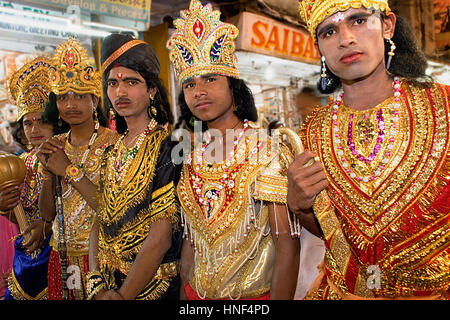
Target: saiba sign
<point x="263" y="35"/>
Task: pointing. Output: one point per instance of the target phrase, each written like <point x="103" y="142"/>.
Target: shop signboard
<point x="16" y="23"/>
<point x="136" y="10"/>
<point x="264" y="35"/>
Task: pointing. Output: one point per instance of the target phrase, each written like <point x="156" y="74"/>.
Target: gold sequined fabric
<point x="78" y="215"/>
<point x="387" y="236"/>
<point x="231" y="234"/>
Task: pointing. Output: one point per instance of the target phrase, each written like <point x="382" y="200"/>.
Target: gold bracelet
<point x="73" y="173"/>
<point x="95" y="283"/>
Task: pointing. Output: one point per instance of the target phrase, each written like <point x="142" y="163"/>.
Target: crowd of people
<point x="116" y="210"/>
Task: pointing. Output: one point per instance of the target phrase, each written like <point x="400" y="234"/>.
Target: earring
<point x="153" y="109"/>
<point x="192" y="121"/>
<point x="112" y="120"/>
<point x="59" y="121"/>
<point x="324" y="68"/>
<point x="323" y="80"/>
<point x="391" y="53"/>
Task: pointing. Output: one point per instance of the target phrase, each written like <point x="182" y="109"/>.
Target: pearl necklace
<point x="381" y="135"/>
<point x="225" y="180"/>
<point x="91" y="142"/>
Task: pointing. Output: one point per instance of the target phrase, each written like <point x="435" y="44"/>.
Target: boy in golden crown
<point x="379" y="193"/>
<point x="28" y="89"/>
<point x="240" y="241"/>
<point x="75" y="156"/>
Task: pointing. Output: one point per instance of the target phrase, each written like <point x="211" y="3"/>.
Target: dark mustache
<point x="120" y="100"/>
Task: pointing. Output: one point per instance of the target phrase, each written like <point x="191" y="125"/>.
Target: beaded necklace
<point x="380" y="138"/>
<point x="91" y="142"/>
<point x="126" y="156"/>
<point x="225" y="180"/>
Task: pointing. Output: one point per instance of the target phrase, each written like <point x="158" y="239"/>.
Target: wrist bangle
<point x="73" y="173"/>
<point x="95" y="283"/>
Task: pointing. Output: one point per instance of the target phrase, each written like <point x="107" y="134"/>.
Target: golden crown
<point x="29" y="87"/>
<point x="313" y="12"/>
<point x="73" y="72"/>
<point x="202" y="44"/>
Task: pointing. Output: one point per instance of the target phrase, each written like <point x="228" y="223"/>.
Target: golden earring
<point x="324" y="68"/>
<point x="391" y="53"/>
<point x="153" y="109"/>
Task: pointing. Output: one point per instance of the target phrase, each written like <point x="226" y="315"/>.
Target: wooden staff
<point x="62" y="250"/>
<point x="22" y="221"/>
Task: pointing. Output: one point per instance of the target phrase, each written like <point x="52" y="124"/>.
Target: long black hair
<point x="51" y="115"/>
<point x="409" y="61"/>
<point x="243" y="99"/>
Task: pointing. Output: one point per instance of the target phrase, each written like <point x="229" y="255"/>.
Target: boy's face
<point x="353" y="42"/>
<point x="128" y="92"/>
<point x="209" y="96"/>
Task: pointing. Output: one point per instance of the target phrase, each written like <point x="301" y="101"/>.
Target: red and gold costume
<point x="385" y="214"/>
<point x="385" y="221"/>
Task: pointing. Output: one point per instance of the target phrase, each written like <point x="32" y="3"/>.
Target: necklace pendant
<point x="362" y="129"/>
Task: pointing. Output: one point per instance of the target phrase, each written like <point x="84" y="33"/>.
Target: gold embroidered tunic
<point x="78" y="215"/>
<point x="138" y="189"/>
<point x="229" y="229"/>
<point x="385" y="215"/>
<point x="32" y="186"/>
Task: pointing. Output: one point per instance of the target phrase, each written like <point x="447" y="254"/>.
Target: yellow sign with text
<point x="263" y="35"/>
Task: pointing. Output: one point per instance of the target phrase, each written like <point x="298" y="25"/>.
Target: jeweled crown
<point x="202" y="44"/>
<point x="313" y="12"/>
<point x="72" y="70"/>
<point x="29" y="86"/>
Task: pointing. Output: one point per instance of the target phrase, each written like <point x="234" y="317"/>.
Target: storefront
<point x="276" y="60"/>
<point x="31" y="28"/>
